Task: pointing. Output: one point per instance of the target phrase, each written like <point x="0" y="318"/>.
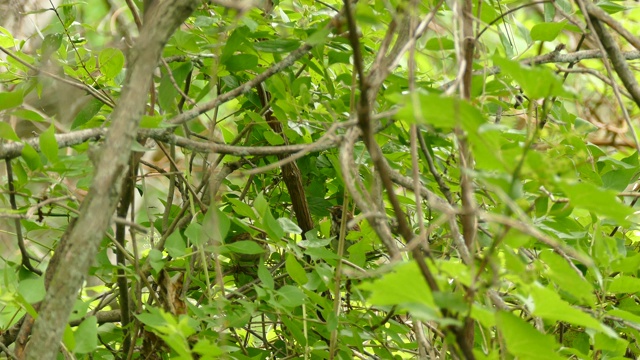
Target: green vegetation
<point x="320" y="180"/>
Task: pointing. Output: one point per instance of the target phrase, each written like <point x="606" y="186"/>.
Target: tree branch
<point x="84" y="237"/>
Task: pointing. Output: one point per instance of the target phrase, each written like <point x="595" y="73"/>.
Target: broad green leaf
<point x="295" y="270"/>
<point x="241" y="62"/>
<point x="237" y="38"/>
<point x="194" y="233"/>
<point x="319" y="37"/>
<point x="546" y="31"/>
<point x="403" y="286"/>
<point x="537" y="82"/>
<point x="207" y="349"/>
<point x="10" y="100"/>
<point x="6" y="132"/>
<point x="296" y="329"/>
<point x="50" y="45"/>
<point x="265" y="276"/>
<point x="273" y="138"/>
<point x="611" y="7"/>
<point x="31" y="157"/>
<point x="86" y="336"/>
<point x="32" y="289"/>
<point x="548" y="305"/>
<point x="49" y="145"/>
<point x="566" y="277"/>
<point x="28" y="115"/>
<point x="523" y="340"/>
<point x="155" y="260"/>
<point x="272" y="226"/>
<point x="261" y="205"/>
<point x="151" y="122"/>
<point x="441" y="111"/>
<point x="592" y="198"/>
<point x="242" y="209"/>
<point x="289" y="226"/>
<point x="440" y="43"/>
<point x="175" y="245"/>
<point x="245" y="247"/>
<point x="215" y="225"/>
<point x="623" y="284"/>
<point x="111" y="62"/>
<point x="6" y="39"/>
<point x="291" y="296"/>
<point x="88" y="112"/>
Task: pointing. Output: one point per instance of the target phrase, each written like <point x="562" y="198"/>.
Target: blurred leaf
<point x="32" y="289"/>
<point x="546" y="31"/>
<point x="49" y="145"/>
<point x="10" y="100"/>
<point x="31" y="157"/>
<point x="290" y="296"/>
<point x="523" y="340"/>
<point x="86" y="336"/>
<point x="111" y="62"/>
<point x="623" y="284"/>
<point x="6" y="132"/>
<point x="591" y="197"/>
<point x="245" y="247"/>
<point x="295" y="270"/>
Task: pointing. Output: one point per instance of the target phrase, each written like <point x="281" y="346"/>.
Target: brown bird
<point x="336" y="221"/>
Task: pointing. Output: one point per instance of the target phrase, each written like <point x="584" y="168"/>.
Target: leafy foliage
<point x="517" y="183"/>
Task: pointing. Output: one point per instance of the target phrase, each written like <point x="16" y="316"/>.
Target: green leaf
<point x="289" y="226"/>
<point x="6" y="39"/>
<point x="265" y="276"/>
<point x="31" y="157"/>
<point x="548" y="305"/>
<point x="10" y="100"/>
<point x="50" y="45"/>
<point x="272" y="226"/>
<point x="536" y="82"/>
<point x="32" y="289"/>
<point x="440" y="43"/>
<point x="194" y="233"/>
<point x="241" y="62"/>
<point x="28" y="115"/>
<point x="291" y="296"/>
<point x="273" y="138"/>
<point x="592" y="198"/>
<point x="623" y="284"/>
<point x="547" y="31"/>
<point x="155" y="260"/>
<point x="49" y="144"/>
<point x="87" y="113"/>
<point x="151" y="122"/>
<point x="441" y="111"/>
<point x="566" y="277"/>
<point x="215" y="225"/>
<point x="403" y="286"/>
<point x="295" y="270"/>
<point x="319" y="37"/>
<point x="111" y="62"/>
<point x="175" y="245"/>
<point x="86" y="336"/>
<point x="523" y="340"/>
<point x="6" y="131"/>
<point x="245" y="247"/>
<point x="242" y="209"/>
